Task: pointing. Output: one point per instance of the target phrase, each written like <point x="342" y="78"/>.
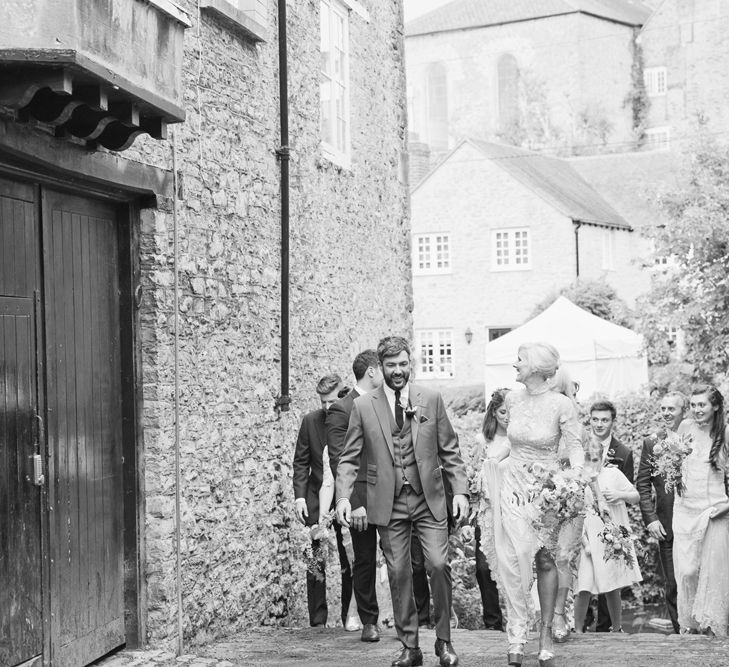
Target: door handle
<point x="37" y="478"/>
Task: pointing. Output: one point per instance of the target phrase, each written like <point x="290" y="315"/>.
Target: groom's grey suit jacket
<point x="435" y="444"/>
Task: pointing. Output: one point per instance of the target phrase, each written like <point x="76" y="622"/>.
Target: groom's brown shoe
<point x="409" y="657"/>
<point x="370" y="633"/>
<point x="444" y="650"/>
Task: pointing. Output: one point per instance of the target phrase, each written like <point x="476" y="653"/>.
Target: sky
<point x="414" y="8"/>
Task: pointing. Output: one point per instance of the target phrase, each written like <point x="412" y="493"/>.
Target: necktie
<point x="398" y="410"/>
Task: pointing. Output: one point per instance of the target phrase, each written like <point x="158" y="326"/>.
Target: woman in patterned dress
<point x="538" y="419"/>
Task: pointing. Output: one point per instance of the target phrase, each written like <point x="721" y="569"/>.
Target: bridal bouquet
<point x="556" y="496"/>
<point x="617" y="542"/>
<point x="315" y="557"/>
<point x="668" y="457"/>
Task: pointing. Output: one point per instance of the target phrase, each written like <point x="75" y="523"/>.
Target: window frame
<point x="432" y="254"/>
<point x="440" y="339"/>
<point x="342" y="157"/>
<point x="494" y="333"/>
<point x="656" y="132"/>
<point x="655" y="80"/>
<point x="511" y="266"/>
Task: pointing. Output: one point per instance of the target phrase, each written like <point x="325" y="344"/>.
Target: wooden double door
<point x="61" y="465"/>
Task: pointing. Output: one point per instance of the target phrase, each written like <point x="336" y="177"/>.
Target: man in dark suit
<point x="307" y="477"/>
<point x="368" y="376"/>
<point x="614" y="452"/>
<point x="658" y="514"/>
<point x="403" y="436"/>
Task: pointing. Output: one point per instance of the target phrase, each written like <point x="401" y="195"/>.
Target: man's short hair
<point x="604" y="406"/>
<point x="391" y="346"/>
<point x="680" y="396"/>
<point x="364" y="360"/>
<point x="328" y="384"/>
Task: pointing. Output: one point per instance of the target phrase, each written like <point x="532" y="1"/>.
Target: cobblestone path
<point x="480" y="648"/>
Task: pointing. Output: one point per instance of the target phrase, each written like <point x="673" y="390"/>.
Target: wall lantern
<point x="469" y="335"/>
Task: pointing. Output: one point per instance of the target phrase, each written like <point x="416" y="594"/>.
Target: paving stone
<point x="331" y="647"/>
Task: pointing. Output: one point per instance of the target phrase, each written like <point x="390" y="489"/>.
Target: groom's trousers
<point x="410" y="513"/>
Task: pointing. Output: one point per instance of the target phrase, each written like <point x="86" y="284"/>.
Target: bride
<point x="701" y="519"/>
<point x="538" y="419"/>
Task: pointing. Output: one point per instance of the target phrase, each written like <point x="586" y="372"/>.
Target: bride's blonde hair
<point x="541" y="358"/>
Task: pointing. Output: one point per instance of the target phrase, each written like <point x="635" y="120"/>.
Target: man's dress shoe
<point x="369" y="633"/>
<point x="409" y="657"/>
<point x="444" y="650"/>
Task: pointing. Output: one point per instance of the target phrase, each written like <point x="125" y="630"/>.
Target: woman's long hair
<point x="717" y="453"/>
<point x="489" y="421"/>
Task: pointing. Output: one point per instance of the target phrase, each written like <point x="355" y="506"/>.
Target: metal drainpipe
<point x="176" y="372"/>
<point x="577" y="225"/>
<point x="284" y="400"/>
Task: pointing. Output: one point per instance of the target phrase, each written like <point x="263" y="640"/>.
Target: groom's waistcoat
<point x="406" y="471"/>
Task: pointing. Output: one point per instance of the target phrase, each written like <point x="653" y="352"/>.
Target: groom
<point x="404" y="435"/>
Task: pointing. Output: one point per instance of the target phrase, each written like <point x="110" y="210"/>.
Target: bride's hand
<point x="720" y="510"/>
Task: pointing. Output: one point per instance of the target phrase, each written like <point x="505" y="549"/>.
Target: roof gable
<point x="556" y="182"/>
<point x="464" y="14"/>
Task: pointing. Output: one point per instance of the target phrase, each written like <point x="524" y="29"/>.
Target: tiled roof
<point x="461" y="14"/>
<point x="631" y="182"/>
<point x="555" y="181"/>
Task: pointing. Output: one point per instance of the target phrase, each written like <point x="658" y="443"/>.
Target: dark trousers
<point x="492" y="618"/>
<point x="603" y="615"/>
<point x="421" y="589"/>
<point x="364" y="573"/>
<point x="316" y="586"/>
<point x="665" y="552"/>
<point x="410" y="513"/>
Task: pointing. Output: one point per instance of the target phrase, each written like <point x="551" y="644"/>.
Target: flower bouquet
<point x="668" y="457"/>
<point x="321" y="543"/>
<point x="556" y="497"/>
<point x="617" y="542"/>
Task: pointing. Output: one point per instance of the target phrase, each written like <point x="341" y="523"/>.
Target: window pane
<point x="325" y="96"/>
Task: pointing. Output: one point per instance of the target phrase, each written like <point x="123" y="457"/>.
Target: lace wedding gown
<point x="537" y="422"/>
<point x="700" y="543"/>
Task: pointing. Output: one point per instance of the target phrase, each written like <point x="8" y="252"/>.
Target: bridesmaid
<point x="701" y="519"/>
<point x="495" y="444"/>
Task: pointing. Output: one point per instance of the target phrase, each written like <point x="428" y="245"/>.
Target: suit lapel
<point x="382" y="412"/>
<point x="415" y="402"/>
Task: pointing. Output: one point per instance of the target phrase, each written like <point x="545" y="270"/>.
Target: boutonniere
<point x="410" y="411"/>
<point x="611" y="453"/>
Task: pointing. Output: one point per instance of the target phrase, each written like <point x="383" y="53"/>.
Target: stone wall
<point x="576" y="74"/>
<point x="690" y="39"/>
<point x="350" y="284"/>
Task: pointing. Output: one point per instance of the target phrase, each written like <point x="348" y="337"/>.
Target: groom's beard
<point x="402" y="377"/>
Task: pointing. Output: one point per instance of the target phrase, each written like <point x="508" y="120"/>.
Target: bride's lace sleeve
<point x="571" y="431"/>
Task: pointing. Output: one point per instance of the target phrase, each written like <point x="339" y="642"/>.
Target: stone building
<point x="141" y="150"/>
<point x="496" y="230"/>
<point x="685" y="51"/>
<point x="543" y="75"/>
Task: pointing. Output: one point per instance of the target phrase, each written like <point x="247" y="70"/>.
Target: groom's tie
<point x="398" y="410"/>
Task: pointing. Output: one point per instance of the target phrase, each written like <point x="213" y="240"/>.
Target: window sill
<point x="449" y="272"/>
<point x="238" y="21"/>
<point x="340" y="161"/>
<point x="509" y="269"/>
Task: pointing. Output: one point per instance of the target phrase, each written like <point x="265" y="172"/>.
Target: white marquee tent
<point x="603" y="357"/>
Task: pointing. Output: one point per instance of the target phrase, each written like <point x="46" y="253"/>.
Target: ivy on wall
<point x="637" y="97"/>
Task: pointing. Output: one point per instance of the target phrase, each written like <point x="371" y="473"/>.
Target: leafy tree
<point x="693" y="291"/>
<point x="594" y="296"/>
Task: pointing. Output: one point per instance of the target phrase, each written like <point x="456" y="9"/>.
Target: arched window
<point x="437" y="107"/>
<point x="508" y="72"/>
